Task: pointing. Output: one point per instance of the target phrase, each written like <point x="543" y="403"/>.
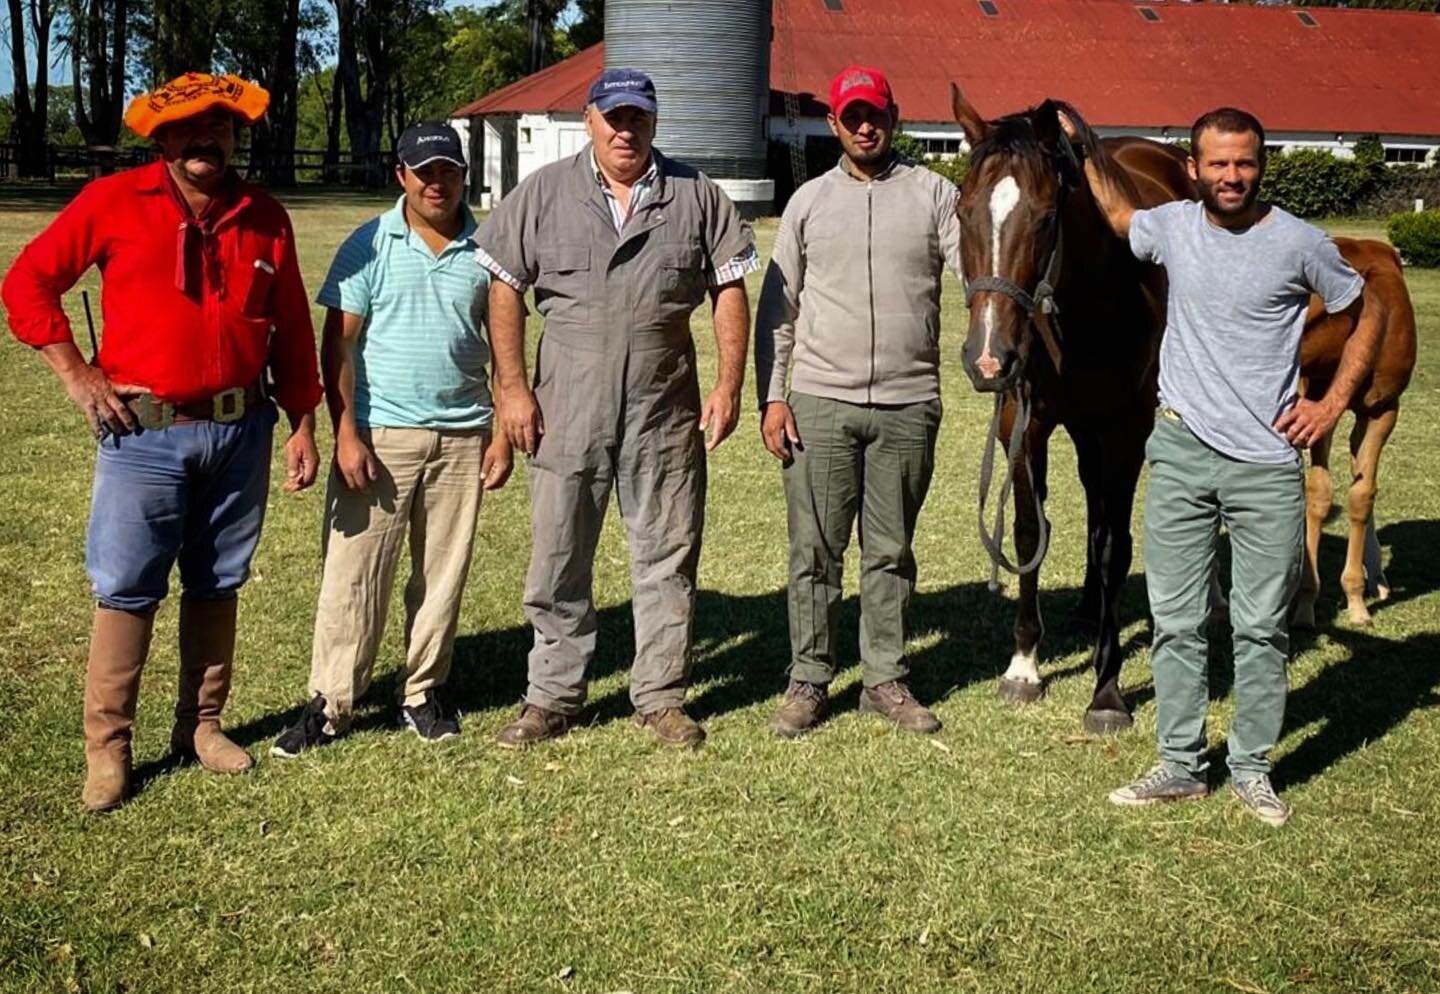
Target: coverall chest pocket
<point x="563" y="289"/>
<point x="682" y="277"/>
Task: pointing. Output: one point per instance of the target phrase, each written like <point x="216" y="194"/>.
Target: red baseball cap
<point x="860" y="83"/>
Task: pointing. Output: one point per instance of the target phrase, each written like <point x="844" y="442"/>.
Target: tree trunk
<point x="273" y="142"/>
<point x="332" y="131"/>
<point x="28" y="127"/>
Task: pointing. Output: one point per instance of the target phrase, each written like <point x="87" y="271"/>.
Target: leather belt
<point x="226" y="406"/>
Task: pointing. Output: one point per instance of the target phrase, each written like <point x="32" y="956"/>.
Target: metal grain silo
<point x="710" y="60"/>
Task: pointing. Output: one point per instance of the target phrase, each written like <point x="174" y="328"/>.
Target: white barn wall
<point x="545" y="138"/>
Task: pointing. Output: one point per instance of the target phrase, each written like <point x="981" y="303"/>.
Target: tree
<point x="30" y="107"/>
<point x="589" y="28"/>
<point x="180" y="37"/>
<point x="96" y="36"/>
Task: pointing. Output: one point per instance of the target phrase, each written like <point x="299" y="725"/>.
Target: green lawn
<point x="855" y="860"/>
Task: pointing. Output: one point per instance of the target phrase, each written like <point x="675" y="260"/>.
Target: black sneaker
<point x="430" y="719"/>
<point x="307" y="733"/>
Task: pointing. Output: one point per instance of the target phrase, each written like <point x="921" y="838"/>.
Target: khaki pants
<point x="428" y="489"/>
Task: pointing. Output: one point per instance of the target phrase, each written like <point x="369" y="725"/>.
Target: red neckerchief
<point x="197" y="251"/>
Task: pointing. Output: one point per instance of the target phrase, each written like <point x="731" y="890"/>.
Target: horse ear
<point x="974" y="126"/>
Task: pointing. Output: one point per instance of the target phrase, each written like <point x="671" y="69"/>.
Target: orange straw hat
<point x="194" y="93"/>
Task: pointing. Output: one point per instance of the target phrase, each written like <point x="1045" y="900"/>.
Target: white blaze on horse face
<point x="1025" y="667"/>
<point x="1002" y="202"/>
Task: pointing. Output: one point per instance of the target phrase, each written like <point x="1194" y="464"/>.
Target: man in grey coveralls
<point x="620" y="245"/>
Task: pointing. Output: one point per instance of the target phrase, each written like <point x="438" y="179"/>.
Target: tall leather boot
<point x="207" y="649"/>
<point x="119" y="642"/>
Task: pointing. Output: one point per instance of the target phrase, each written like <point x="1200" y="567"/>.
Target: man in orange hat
<point x="201" y="295"/>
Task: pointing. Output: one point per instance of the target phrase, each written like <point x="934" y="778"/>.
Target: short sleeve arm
<point x="347" y="285"/>
<point x="1329" y="275"/>
<point x="507" y="237"/>
<point x="728" y="236"/>
<point x="1147" y="235"/>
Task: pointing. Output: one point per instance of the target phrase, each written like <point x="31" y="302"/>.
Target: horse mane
<point x="1034" y="134"/>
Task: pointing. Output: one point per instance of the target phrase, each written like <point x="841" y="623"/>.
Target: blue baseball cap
<point x="623" y="88"/>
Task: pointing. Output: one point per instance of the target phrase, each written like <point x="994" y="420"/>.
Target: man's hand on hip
<point x="520" y="417"/>
<point x="355" y="462"/>
<point x="1308" y="421"/>
<point x="777" y="428"/>
<point x="720" y="415"/>
<point x="102" y="402"/>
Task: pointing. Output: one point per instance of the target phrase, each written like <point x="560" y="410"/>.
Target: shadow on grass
<point x="742" y="648"/>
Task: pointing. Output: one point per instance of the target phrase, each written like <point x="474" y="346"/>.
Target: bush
<point x="1402" y="187"/>
<point x="1311" y="182"/>
<point x="1417" y="236"/>
<point x="953" y="168"/>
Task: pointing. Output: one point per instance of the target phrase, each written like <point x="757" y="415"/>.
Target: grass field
<point x="856" y="860"/>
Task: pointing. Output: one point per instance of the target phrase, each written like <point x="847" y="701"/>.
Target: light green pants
<point x="875" y="461"/>
<point x="1193" y="489"/>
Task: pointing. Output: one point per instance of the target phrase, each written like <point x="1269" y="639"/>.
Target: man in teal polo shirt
<point x="404" y="363"/>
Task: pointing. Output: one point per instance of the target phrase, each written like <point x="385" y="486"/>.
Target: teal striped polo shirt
<point x="420" y="361"/>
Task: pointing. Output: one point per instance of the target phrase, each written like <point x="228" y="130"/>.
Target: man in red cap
<point x="847" y="362"/>
<point x="201" y="295"/>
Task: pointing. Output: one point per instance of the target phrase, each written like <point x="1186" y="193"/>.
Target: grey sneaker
<point x="1257" y="795"/>
<point x="1159" y="786"/>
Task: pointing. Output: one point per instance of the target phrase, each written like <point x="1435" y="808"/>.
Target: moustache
<point x="196" y="151"/>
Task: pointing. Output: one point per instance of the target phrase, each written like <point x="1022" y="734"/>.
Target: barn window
<point x="524" y="136"/>
<point x="1306" y="19"/>
<point x="1149" y="13"/>
<point x="1395" y="153"/>
<point x="834" y="5"/>
<point x="989" y="9"/>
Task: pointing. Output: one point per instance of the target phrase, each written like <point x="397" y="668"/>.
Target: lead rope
<point x="994" y="541"/>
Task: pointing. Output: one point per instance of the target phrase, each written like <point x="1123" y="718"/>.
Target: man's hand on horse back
<point x="1112" y="202"/>
<point x="777" y="428"/>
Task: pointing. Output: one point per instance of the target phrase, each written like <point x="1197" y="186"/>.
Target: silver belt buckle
<point x="228" y="405"/>
<point x="153" y="413"/>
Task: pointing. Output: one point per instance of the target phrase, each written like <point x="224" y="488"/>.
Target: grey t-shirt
<point x="1230" y="359"/>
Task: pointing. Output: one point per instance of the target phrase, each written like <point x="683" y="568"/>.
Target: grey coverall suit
<point x="616" y="383"/>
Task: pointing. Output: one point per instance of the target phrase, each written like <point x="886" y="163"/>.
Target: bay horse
<point x="1028" y="221"/>
<point x="1037" y="254"/>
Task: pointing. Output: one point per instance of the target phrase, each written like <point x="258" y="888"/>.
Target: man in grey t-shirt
<point x="1224" y="449"/>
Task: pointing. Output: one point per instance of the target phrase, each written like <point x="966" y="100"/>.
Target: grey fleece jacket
<point x="850" y="307"/>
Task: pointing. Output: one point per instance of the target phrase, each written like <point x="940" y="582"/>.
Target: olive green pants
<point x="874" y="462"/>
<point x="1193" y="489"/>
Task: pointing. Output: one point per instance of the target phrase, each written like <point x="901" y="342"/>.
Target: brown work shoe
<point x="535" y="724"/>
<point x="804" y="707"/>
<point x="894" y="702"/>
<point x="673" y="727"/>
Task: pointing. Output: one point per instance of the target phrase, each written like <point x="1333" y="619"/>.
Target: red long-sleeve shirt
<point x="184" y="323"/>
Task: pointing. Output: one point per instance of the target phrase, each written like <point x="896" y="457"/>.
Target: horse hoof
<point x="1107" y="721"/>
<point x="1361" y="619"/>
<point x="1020" y="691"/>
<point x="1303" y="617"/>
